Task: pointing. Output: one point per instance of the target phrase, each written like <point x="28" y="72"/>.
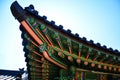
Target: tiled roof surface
<point x="10" y="74"/>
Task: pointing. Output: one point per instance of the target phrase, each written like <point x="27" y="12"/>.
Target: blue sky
<point x="98" y="20"/>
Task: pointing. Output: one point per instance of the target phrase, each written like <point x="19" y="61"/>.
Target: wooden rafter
<point x="59" y="42"/>
<point x="48" y="39"/>
<point x="42" y="36"/>
<point x="69" y="46"/>
<point x="96" y="56"/>
<point x="103" y="58"/>
<point x="88" y="54"/>
<point x="79" y="50"/>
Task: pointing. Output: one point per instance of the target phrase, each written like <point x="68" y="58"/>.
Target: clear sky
<point x="98" y="20"/>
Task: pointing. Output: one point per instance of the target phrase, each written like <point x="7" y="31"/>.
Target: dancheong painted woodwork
<point x="53" y="53"/>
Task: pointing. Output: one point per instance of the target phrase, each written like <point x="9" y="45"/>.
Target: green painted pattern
<point x="62" y="58"/>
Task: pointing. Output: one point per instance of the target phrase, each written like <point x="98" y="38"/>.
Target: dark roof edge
<point x="11" y="72"/>
<point x="17" y="11"/>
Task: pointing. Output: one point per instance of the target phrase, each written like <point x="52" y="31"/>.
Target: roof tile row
<point x="32" y="11"/>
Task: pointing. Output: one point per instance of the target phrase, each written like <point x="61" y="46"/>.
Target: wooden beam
<point x="31" y="32"/>
<point x="70" y="50"/>
<point x="78" y="59"/>
<point x="88" y="54"/>
<point x="42" y="36"/>
<point x="93" y="64"/>
<point x="79" y="54"/>
<point x="97" y="55"/>
<point x="109" y="61"/>
<point x="110" y="68"/>
<point x="48" y="39"/>
<point x="79" y="50"/>
<point x="59" y="43"/>
<point x="69" y="46"/>
<point x="86" y="63"/>
<point x="104" y="57"/>
<point x="51" y="60"/>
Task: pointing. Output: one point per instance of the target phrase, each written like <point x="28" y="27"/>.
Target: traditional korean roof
<point x="48" y="48"/>
<point x="10" y="74"/>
